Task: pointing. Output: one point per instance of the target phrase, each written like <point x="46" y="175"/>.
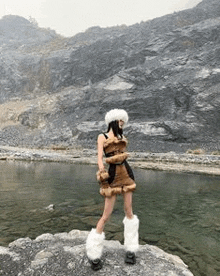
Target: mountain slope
<point x="164" y="72"/>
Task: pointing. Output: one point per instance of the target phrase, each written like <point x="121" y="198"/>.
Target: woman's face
<point x="120" y="123"/>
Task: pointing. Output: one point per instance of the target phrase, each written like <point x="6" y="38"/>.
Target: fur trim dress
<point x="120" y="178"/>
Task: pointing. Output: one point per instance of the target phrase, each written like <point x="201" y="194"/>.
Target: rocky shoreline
<point x="56" y="90"/>
<point x="208" y="164"/>
<point x="64" y="254"/>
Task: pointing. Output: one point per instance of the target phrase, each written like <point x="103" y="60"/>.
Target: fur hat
<point x="116" y="114"/>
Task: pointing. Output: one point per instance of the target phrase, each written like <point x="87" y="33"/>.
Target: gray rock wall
<point x="164" y="72"/>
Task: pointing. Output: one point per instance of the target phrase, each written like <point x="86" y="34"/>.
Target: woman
<point x="118" y="180"/>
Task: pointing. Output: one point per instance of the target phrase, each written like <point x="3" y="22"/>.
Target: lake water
<point x="179" y="213"/>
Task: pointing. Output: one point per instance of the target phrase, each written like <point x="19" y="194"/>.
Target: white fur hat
<point x="116" y="114"/>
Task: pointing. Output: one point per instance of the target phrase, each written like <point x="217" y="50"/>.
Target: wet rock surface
<point x="64" y="254"/>
<point x="164" y="72"/>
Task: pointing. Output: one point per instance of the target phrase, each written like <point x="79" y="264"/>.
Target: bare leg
<point x="109" y="205"/>
<point x="128" y="205"/>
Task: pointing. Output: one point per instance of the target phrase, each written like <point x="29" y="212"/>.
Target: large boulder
<point x="65" y="254"/>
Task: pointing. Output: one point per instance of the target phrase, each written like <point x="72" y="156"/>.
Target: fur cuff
<point x="118" y="158"/>
<point x="129" y="188"/>
<point x="94" y="244"/>
<point x="131" y="236"/>
<point x="102" y="176"/>
<point x="110" y="191"/>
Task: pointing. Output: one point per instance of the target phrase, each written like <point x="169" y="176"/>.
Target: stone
<point x="41" y="259"/>
<point x="65" y="254"/>
<point x="59" y="89"/>
<point x="50" y="207"/>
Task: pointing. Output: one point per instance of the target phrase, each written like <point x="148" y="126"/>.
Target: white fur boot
<point x="131" y="238"/>
<point x="94" y="248"/>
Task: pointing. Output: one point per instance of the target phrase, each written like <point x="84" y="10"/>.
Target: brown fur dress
<point x="120" y="178"/>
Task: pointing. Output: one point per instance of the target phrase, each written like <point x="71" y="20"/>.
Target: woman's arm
<point x="100" y="143"/>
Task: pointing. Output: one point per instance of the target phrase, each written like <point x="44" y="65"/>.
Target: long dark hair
<point x="115" y="128"/>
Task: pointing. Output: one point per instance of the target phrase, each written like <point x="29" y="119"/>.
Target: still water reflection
<point x="178" y="212"/>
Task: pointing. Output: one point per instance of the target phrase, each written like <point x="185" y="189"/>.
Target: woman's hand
<point x="102" y="169"/>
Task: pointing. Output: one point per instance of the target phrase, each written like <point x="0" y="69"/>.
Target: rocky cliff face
<point x="164" y="72"/>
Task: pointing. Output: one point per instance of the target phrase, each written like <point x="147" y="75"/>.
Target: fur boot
<point x="94" y="248"/>
<point x="131" y="238"/>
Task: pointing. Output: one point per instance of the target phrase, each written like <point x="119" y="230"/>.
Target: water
<point x="178" y="212"/>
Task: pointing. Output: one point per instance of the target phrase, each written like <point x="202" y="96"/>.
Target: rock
<point x="55" y="91"/>
<point x="64" y="254"/>
<point x="50" y="207"/>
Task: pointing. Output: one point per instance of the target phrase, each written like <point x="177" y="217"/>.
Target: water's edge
<point x="171" y="161"/>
